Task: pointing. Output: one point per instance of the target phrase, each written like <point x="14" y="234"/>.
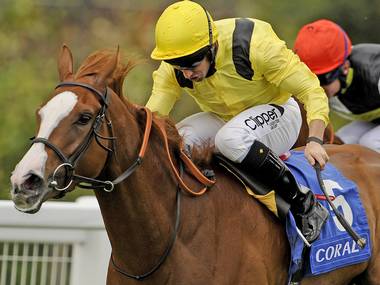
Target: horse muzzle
<point x="29" y="194"/>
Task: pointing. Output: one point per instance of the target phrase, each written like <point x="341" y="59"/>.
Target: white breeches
<point x="364" y="133"/>
<point x="275" y="126"/>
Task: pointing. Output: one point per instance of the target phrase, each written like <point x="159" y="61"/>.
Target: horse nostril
<point x="33" y="182"/>
<point x="16" y="190"/>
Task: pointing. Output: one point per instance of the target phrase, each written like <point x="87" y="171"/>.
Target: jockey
<point x="242" y="76"/>
<point x="350" y="76"/>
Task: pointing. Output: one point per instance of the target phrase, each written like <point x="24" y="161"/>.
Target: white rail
<point x="63" y="244"/>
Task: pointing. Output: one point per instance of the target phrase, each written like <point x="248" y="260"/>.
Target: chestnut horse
<point x="159" y="233"/>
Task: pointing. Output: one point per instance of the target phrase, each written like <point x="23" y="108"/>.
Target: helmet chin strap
<point x="213" y="48"/>
<point x="211" y="38"/>
<point x="212" y="54"/>
<point x="211" y="57"/>
<point x="343" y="83"/>
<point x="342" y="77"/>
<point x="343" y="80"/>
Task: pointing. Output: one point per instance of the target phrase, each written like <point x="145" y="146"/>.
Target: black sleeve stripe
<point x="241" y="42"/>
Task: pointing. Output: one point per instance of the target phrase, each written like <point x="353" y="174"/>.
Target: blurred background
<point x="32" y="32"/>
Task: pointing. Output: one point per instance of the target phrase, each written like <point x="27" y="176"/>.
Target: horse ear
<point x="65" y="64"/>
<point x="108" y="69"/>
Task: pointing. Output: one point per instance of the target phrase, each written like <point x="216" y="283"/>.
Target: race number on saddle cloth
<point x="334" y="248"/>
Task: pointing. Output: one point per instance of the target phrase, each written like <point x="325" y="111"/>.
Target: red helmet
<point x="322" y="45"/>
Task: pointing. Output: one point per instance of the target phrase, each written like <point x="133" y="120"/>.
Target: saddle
<point x="260" y="191"/>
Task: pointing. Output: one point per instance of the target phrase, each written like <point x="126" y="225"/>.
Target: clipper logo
<point x="269" y="118"/>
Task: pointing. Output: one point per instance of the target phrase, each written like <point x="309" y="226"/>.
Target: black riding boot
<point x="310" y="215"/>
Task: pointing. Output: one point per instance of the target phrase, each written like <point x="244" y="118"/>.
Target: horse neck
<point x="139" y="213"/>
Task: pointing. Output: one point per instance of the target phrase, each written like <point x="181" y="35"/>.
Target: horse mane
<point x="95" y="62"/>
<point x="201" y="155"/>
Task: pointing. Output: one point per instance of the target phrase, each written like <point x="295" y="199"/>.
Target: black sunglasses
<point x="329" y="77"/>
<point x="192" y="67"/>
<point x="189" y="61"/>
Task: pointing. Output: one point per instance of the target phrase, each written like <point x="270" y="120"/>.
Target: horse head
<point x="73" y="137"/>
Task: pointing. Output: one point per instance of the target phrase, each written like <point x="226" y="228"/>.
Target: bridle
<point x="69" y="164"/>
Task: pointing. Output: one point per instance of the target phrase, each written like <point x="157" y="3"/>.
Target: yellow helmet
<point x="183" y="28"/>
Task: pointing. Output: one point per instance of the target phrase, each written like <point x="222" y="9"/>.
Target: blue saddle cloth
<point x="334" y="248"/>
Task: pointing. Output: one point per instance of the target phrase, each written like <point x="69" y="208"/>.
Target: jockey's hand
<point x="316" y="152"/>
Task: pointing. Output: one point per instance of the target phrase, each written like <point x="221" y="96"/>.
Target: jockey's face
<point x="332" y="89"/>
<point x="197" y="73"/>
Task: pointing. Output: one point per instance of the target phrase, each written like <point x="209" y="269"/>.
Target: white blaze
<point x="51" y="114"/>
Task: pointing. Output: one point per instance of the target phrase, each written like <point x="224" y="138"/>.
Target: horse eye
<point x="84" y="119"/>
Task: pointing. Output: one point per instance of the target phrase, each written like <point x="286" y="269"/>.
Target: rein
<point x="191" y="167"/>
<point x="184" y="158"/>
<point x="168" y="247"/>
<point x="95" y="183"/>
<point x="330" y="129"/>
